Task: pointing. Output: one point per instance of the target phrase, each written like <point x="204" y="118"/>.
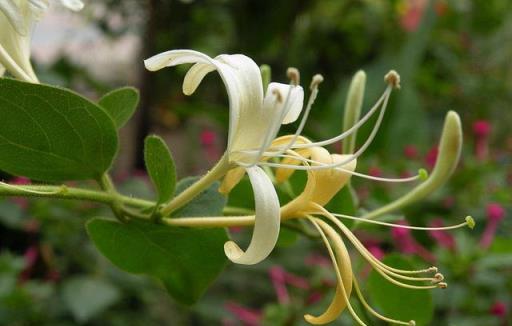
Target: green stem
<point x="64" y="192"/>
<point x="217" y="172"/>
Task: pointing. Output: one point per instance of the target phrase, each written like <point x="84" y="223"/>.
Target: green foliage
<point x="160" y="167"/>
<point x="120" y="104"/>
<point x="187" y="261"/>
<point x="397" y="302"/>
<point x="87" y="297"/>
<point x="208" y="203"/>
<point x="53" y="134"/>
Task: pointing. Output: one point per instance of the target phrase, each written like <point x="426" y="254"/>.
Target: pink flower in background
<point x="20" y="201"/>
<point x="248" y="317"/>
<point x="411" y="152"/>
<point x="412" y="12"/>
<point x="317" y="260"/>
<point x="495" y="213"/>
<point x="499" y="309"/>
<point x="208" y="140"/>
<point x="277" y="275"/>
<point x="442" y="237"/>
<point x="431" y="157"/>
<point x="280" y="278"/>
<point x="405" y="242"/>
<point x="481" y="132"/>
<point x="30" y="257"/>
<point x="375" y="171"/>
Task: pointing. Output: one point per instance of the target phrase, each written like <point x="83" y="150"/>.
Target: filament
<point x="323" y="166"/>
<point x="380" y="267"/>
<point x="451" y="227"/>
<point x="317" y="79"/>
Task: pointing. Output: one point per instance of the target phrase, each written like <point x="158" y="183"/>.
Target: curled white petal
<point x="294" y="103"/>
<point x="243" y="83"/>
<point x="267" y="222"/>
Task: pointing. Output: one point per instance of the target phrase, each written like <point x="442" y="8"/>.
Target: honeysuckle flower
<point x="255" y="119"/>
<point x="17" y="18"/>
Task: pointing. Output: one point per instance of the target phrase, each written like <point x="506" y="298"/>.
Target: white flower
<point x="254" y="122"/>
<point x="17" y="17"/>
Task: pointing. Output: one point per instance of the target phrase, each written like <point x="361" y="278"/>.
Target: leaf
<point x="397" y="302"/>
<point x="186" y="260"/>
<point x="120" y="104"/>
<point x="208" y="203"/>
<point x="160" y="167"/>
<point x="87" y="297"/>
<point x="53" y="134"/>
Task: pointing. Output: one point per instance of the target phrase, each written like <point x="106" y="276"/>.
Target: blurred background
<point x="451" y="55"/>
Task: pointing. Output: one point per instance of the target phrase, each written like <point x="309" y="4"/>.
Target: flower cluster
<point x="255" y="148"/>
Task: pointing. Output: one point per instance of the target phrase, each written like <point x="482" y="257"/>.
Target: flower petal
<point x="15" y="16"/>
<point x="295" y="102"/>
<point x="344" y="275"/>
<point x="231" y="179"/>
<point x="243" y="83"/>
<point x="75" y="5"/>
<point x="267" y="222"/>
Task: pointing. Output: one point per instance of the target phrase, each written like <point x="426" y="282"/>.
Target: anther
<point x="442" y="285"/>
<point x="438" y="278"/>
<point x="422" y="174"/>
<point x="393" y="79"/>
<point x="470" y="222"/>
<point x="317" y="80"/>
<point x="294" y="75"/>
<point x="433" y="269"/>
<point x="278" y="95"/>
<point x="412" y="323"/>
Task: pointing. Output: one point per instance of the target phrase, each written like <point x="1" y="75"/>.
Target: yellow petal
<point x="330" y="181"/>
<point x="343" y="272"/>
<point x="231" y="179"/>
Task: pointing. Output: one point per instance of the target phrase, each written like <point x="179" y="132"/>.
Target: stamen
<point x="384" y="270"/>
<point x="322" y="166"/>
<point x="355" y="127"/>
<point x="393" y="79"/>
<point x="317" y="80"/>
<point x="337" y="270"/>
<point x="294" y="75"/>
<point x="274" y="126"/>
<point x="305" y="116"/>
<point x="425" y="228"/>
<point x="438" y="278"/>
<point x="373" y="311"/>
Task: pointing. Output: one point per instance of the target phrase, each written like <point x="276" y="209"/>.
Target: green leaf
<point x="53" y="134"/>
<point x="208" y="203"/>
<point x="397" y="302"/>
<point x="87" y="297"/>
<point x="160" y="167"/>
<point x="186" y="260"/>
<point x="120" y="104"/>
